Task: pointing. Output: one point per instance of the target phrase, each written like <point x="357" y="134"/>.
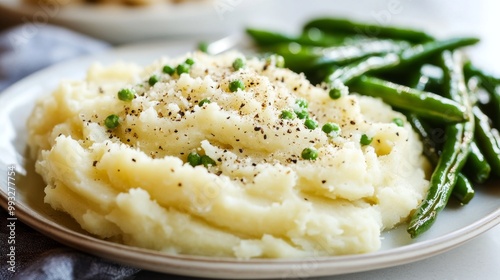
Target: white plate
<point x="455" y="225"/>
<point x="120" y="24"/>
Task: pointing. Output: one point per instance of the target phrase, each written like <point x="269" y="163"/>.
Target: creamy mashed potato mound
<point x="260" y="199"/>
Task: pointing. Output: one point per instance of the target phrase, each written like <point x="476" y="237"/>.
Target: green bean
<point x="471" y="70"/>
<point x="477" y="167"/>
<point x="313" y="37"/>
<point x="429" y="78"/>
<point x="397" y="63"/>
<point x="344" y="26"/>
<point x="421" y="54"/>
<point x="492" y="85"/>
<point x="425" y="131"/>
<point x="442" y="180"/>
<point x="300" y="58"/>
<point x="424" y="104"/>
<point x="424" y="51"/>
<point x="355" y="70"/>
<point x="453" y="155"/>
<point x="463" y="190"/>
<point x="488" y="140"/>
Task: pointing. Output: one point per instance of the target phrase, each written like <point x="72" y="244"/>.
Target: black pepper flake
<point x="241" y="150"/>
<point x="94" y="163"/>
<point x="134" y="160"/>
<point x="397" y="133"/>
<point x="353" y="122"/>
<point x="257" y="128"/>
<point x="323" y="181"/>
<point x="179" y="184"/>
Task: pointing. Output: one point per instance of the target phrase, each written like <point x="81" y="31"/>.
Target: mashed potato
<point x="256" y="196"/>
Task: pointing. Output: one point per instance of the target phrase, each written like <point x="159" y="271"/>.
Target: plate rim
<point x="274" y="268"/>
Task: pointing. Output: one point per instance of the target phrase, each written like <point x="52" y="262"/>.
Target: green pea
<point x="167" y="69"/>
<point x="189" y="61"/>
<point x="183" y="68"/>
<point x="278" y="60"/>
<point x="207" y="161"/>
<point x="194" y="159"/>
<point x="235" y="85"/>
<point x="365" y="140"/>
<point x="332" y="129"/>
<point x="335" y="93"/>
<point x="309" y="153"/>
<point x="302" y="103"/>
<point x="287" y="115"/>
<point x="399" y="122"/>
<point x="238" y="64"/>
<point x="153" y="80"/>
<point x="311" y="124"/>
<point x="112" y="121"/>
<point x="126" y="94"/>
<point x="203" y="102"/>
<point x="301" y="114"/>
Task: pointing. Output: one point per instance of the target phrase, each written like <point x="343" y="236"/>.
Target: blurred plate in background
<point x="120" y="24"/>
